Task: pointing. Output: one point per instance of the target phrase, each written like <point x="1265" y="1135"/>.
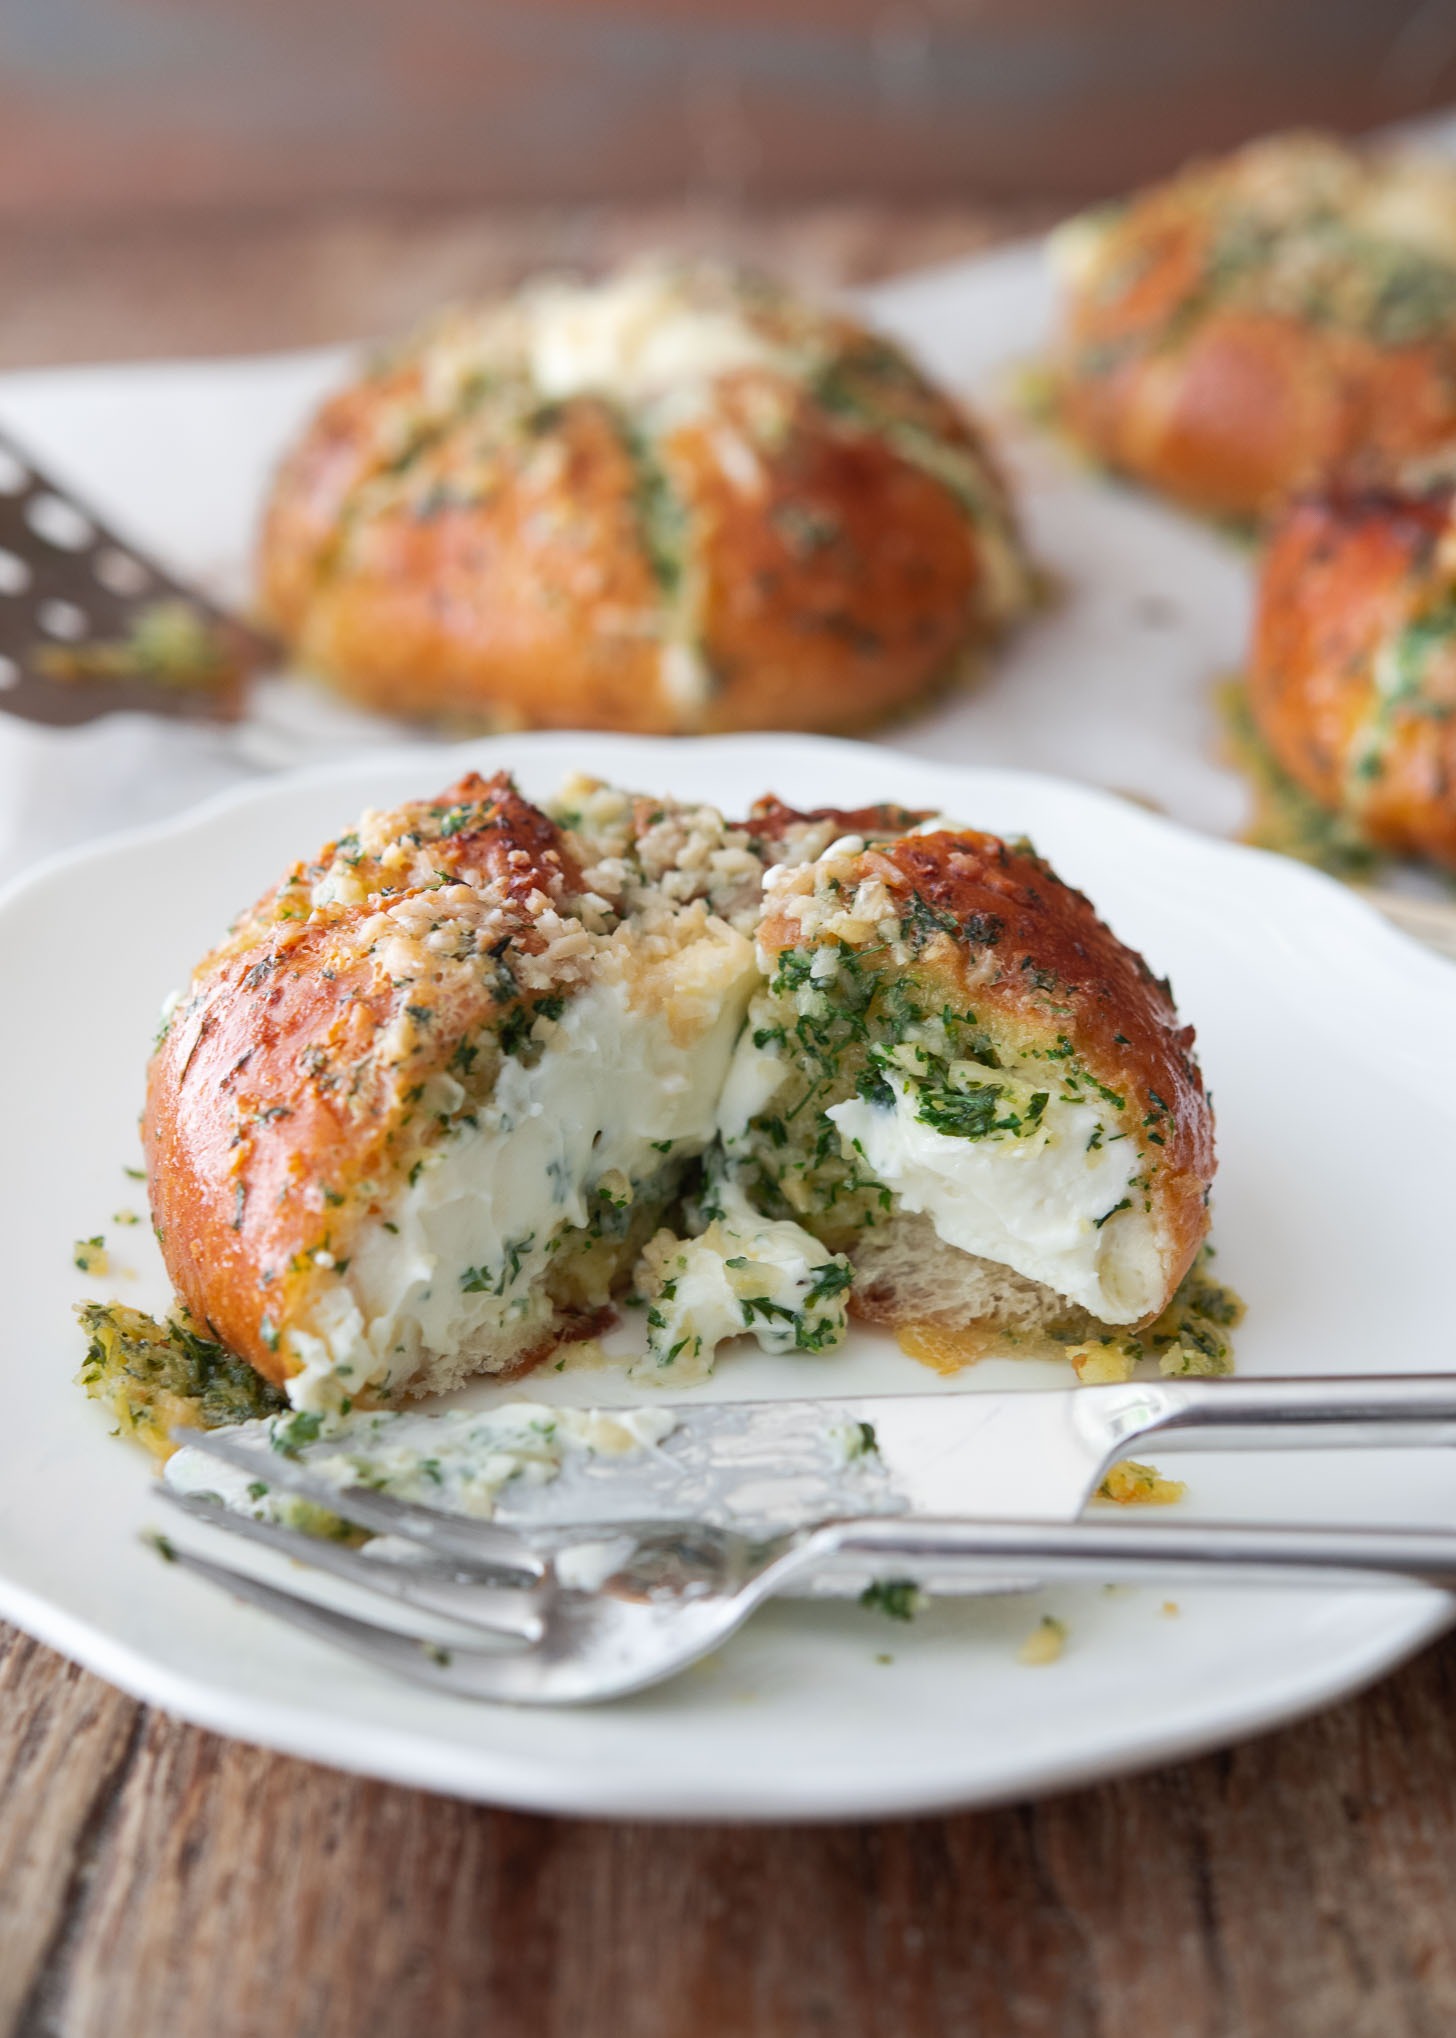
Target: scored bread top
<point x="680" y="499"/>
<point x="1262" y="321"/>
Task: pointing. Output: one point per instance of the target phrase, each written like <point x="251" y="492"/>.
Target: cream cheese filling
<point x="628" y="1081"/>
<point x="768" y="1279"/>
<point x="1057" y="1203"/>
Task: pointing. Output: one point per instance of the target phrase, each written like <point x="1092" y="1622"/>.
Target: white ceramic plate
<point x="1327" y="1040"/>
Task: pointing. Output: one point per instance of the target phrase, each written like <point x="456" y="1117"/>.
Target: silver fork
<point x="525" y="1636"/>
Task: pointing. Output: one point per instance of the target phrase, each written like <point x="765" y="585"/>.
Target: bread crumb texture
<point x="1130" y="1484"/>
<point x="1045" y="1644"/>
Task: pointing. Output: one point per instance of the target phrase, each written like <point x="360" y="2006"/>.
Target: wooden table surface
<point x="156" y="1880"/>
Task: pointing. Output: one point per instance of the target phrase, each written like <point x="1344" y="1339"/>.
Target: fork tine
<point x="454" y="1536"/>
<point x="496" y="1609"/>
<point x="582" y="1658"/>
<point x="387" y="1648"/>
<point x="509" y="1675"/>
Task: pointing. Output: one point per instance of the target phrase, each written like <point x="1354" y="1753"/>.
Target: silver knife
<point x="772" y="1465"/>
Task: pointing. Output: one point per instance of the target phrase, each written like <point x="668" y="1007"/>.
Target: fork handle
<point x="1193" y="1551"/>
<point x="1330" y="1413"/>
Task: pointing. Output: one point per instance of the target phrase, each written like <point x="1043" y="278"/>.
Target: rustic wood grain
<point x="161" y="1882"/>
<point x="65" y="1744"/>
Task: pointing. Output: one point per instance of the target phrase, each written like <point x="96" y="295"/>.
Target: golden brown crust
<point x="839" y="589"/>
<point x="1251" y="327"/>
<point x="1352" y="676"/>
<point x="808" y="548"/>
<point x="526" y="599"/>
<point x="284" y="1101"/>
<point x="1031" y="958"/>
<point x="352" y="439"/>
<point x="770" y="820"/>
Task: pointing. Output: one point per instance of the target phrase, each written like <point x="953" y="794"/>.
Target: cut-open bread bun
<point x="955" y="1073"/>
<point x="420" y="1113"/>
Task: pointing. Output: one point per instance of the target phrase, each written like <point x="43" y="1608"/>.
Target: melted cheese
<point x="644" y="335"/>
<point x="687" y="681"/>
<point x="633" y="1067"/>
<point x="1044" y="1202"/>
<point x="1413" y="203"/>
<point x="1075" y="249"/>
<point x="754" y="1077"/>
<point x="744" y="1275"/>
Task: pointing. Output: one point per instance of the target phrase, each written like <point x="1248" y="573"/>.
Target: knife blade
<point x="768" y="1466"/>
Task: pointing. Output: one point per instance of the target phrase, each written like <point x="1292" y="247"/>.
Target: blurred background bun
<point x="679" y="499"/>
<point x="1352" y="677"/>
<point x="1265" y="321"/>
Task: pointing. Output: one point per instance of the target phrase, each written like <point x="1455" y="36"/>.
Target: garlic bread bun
<point x="416" y="1116"/>
<point x="957" y="1075"/>
<point x="1352" y="676"/>
<point x="1264" y="321"/>
<point x="681" y="499"/>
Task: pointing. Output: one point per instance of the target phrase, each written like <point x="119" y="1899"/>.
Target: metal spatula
<point x="89" y="625"/>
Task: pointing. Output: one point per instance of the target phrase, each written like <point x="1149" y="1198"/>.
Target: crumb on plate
<point x="1045" y="1643"/>
<point x="1133" y="1485"/>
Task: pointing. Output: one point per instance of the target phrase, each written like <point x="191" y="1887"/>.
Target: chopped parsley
<point x="289" y="1433"/>
<point x="899" y="1598"/>
<point x="489" y="1280"/>
<point x="156" y="1377"/>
